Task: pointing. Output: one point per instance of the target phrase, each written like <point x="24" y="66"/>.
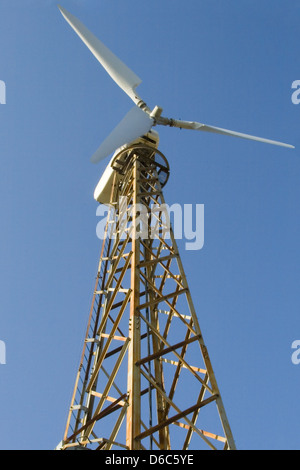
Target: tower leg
<point x="134" y="353"/>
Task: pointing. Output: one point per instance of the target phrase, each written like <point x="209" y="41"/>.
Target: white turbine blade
<point x="218" y="130"/>
<point x="135" y="124"/>
<point x="119" y="72"/>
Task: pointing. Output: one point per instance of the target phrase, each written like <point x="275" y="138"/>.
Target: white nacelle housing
<point x="102" y="193"/>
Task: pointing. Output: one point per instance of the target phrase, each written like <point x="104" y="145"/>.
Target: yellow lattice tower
<point x="145" y="380"/>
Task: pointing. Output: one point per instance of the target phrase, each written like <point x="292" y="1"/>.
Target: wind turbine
<point x="142" y="308"/>
<point x="140" y="119"/>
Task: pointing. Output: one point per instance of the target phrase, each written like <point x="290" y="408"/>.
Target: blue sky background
<point x="229" y="64"/>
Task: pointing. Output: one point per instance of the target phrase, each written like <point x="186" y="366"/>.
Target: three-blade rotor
<point x="140" y="119"/>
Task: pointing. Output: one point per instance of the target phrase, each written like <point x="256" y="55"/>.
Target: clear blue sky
<point x="229" y="64"/>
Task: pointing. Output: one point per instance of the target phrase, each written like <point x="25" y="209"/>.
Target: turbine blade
<point x="135" y="124"/>
<point x="119" y="72"/>
<point x="218" y="130"/>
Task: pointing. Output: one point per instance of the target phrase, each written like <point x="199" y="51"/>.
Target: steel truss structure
<point x="145" y="380"/>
